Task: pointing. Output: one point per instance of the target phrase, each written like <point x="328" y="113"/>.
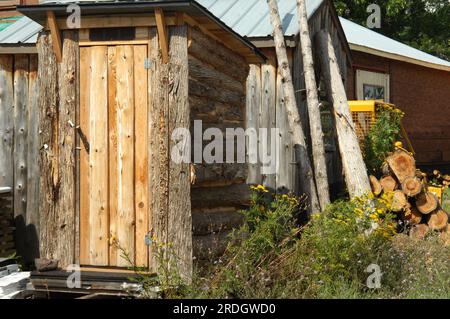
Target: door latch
<point x="147" y="63"/>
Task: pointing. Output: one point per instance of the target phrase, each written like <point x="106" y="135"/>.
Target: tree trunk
<point x="352" y="161"/>
<point x="318" y="150"/>
<point x="306" y="176"/>
<point x="48" y="146"/>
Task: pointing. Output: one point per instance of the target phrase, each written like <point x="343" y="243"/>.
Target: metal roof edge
<point x="397" y="57"/>
<point x="31" y="10"/>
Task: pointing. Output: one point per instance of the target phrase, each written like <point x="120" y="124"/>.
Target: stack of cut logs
<point x="415" y="205"/>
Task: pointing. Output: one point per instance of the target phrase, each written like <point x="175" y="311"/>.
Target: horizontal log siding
<point x="217" y="98"/>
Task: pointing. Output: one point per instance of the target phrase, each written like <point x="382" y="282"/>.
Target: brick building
<point x="418" y="83"/>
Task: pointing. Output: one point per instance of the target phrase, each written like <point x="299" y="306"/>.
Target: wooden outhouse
<point x="111" y="90"/>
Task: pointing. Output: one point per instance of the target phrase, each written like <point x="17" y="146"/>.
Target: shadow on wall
<point x="26" y="240"/>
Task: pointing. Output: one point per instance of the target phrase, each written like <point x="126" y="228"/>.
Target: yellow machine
<point x="364" y="115"/>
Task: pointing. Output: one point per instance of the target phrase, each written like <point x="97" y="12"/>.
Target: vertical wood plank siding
<point x="18" y="146"/>
<point x="261" y="87"/>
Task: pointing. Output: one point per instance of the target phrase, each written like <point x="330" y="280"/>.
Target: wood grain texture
<point x="162" y="34"/>
<point x="6" y="120"/>
<point x="306" y="174"/>
<point x="113" y="151"/>
<point x="125" y="151"/>
<point x="48" y="146"/>
<point x="67" y="105"/>
<point x="315" y="122"/>
<point x="55" y="34"/>
<point x="32" y="216"/>
<point x="253" y="106"/>
<point x="98" y="171"/>
<point x="158" y="147"/>
<point x="85" y="75"/>
<point x="180" y="218"/>
<point x="141" y="201"/>
<point x="267" y="118"/>
<point x="21" y="65"/>
<point x="353" y="164"/>
<point x="214" y="53"/>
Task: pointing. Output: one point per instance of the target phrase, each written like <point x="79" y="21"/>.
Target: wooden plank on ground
<point x="98" y="157"/>
<point x="141" y="155"/>
<point x="125" y="152"/>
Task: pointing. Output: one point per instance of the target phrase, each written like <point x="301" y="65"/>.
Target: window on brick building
<point x="372" y="85"/>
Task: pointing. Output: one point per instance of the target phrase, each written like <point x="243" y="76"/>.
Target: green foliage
<point x="270" y="257"/>
<point x="382" y="137"/>
<point x="166" y="283"/>
<point x="422" y="24"/>
<point x="269" y="230"/>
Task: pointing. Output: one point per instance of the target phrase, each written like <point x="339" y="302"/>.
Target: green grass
<point x="327" y="258"/>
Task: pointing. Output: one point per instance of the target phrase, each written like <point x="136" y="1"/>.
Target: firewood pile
<point x="415" y="205"/>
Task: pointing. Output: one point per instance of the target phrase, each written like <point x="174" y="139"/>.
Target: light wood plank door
<point x="114" y="214"/>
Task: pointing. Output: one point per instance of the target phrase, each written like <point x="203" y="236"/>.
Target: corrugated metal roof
<point x="23" y="31"/>
<point x="250" y="18"/>
<point x="365" y="37"/>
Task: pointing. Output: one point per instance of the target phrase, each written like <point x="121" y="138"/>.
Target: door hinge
<point x="147" y="63"/>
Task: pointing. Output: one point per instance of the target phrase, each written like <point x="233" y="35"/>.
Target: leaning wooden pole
<point x="352" y="161"/>
<point x="315" y="124"/>
<point x="306" y="175"/>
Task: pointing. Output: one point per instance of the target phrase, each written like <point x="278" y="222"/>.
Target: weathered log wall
<point x="217" y="98"/>
<point x="18" y="146"/>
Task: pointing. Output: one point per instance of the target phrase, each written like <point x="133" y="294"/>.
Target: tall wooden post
<point x="315" y="124"/>
<point x="306" y="176"/>
<point x="352" y="161"/>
